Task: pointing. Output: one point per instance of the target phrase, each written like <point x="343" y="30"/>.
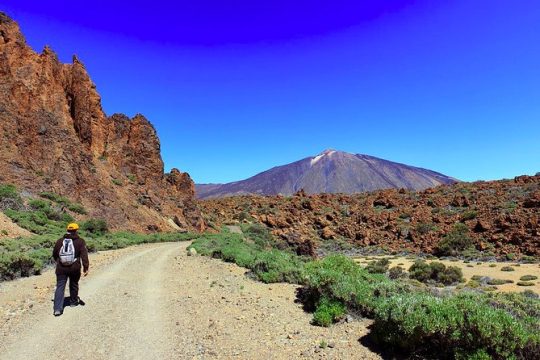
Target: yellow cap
<point x="73" y="227"/>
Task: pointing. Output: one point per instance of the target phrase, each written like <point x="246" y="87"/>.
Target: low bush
<point x="267" y="265"/>
<point x="455" y="241"/>
<point x="95" y="226"/>
<point x="328" y="312"/>
<point x="425" y="228"/>
<point x="507" y="268"/>
<point x="10" y="198"/>
<point x="525" y="283"/>
<point x="528" y="278"/>
<point x="259" y="234"/>
<point x="39" y="222"/>
<point x="499" y="282"/>
<point x="278" y="266"/>
<point x="378" y="266"/>
<point x="435" y="272"/>
<point x="65" y="202"/>
<point x="458" y="326"/>
<point x="468" y="215"/>
<point x="397" y="272"/>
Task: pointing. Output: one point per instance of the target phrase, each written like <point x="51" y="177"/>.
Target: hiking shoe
<point x="74" y="303"/>
<point x="57" y="313"/>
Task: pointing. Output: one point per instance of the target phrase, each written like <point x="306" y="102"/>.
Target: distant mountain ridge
<point x="331" y="171"/>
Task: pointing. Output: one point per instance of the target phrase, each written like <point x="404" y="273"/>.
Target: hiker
<point x="68" y="253"/>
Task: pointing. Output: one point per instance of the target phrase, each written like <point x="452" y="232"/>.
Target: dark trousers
<point x="61" y="280"/>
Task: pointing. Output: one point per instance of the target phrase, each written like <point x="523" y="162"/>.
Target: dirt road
<point x="154" y="302"/>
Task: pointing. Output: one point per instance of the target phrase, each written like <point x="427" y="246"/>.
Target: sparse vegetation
<point x="507" y="268"/>
<point x="47" y="217"/>
<point x="528" y="278"/>
<point x="28" y="256"/>
<point x="64" y="202"/>
<point x="425" y="228"/>
<point x="268" y="266"/>
<point x="455" y="242"/>
<point x="468" y="215"/>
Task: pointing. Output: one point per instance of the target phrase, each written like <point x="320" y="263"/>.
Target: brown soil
<point x="8" y="229"/>
<point x="154" y="301"/>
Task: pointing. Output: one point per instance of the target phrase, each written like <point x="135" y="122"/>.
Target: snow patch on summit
<point x="320" y="156"/>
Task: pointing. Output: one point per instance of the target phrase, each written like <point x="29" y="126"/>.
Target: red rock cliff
<point x="56" y="137"/>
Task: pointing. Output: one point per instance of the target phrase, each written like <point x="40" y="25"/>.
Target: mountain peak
<point x="331" y="171"/>
<point x="329" y="151"/>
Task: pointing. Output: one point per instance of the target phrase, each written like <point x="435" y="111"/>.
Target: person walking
<point x="68" y="253"/>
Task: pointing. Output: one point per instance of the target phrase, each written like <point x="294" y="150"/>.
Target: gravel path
<point x="154" y="302"/>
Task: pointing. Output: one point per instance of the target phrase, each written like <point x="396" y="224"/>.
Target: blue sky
<point x="452" y="86"/>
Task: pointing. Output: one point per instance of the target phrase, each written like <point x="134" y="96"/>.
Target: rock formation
<point x="56" y="137"/>
<point x="500" y="217"/>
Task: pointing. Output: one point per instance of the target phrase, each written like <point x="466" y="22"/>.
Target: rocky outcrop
<point x="56" y="137"/>
<point x="330" y="172"/>
<point x="502" y="217"/>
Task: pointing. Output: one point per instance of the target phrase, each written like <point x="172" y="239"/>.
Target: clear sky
<point x="236" y="87"/>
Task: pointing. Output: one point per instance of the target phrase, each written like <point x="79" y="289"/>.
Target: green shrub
<point x="117" y="182"/>
<point x="498" y="282"/>
<point x="328" y="312"/>
<point x="8" y="191"/>
<point x="455" y="241"/>
<point x="278" y="266"/>
<point x="54" y="197"/>
<point x="468" y="215"/>
<point x="77" y="208"/>
<point x="340" y="278"/>
<point x="528" y="278"/>
<point x="435" y="272"/>
<point x="425" y="228"/>
<point x="267" y="265"/>
<point x="95" y="226"/>
<point x="38" y="204"/>
<point x="37" y="222"/>
<point x="378" y="266"/>
<point x="10" y="198"/>
<point x="259" y="234"/>
<point x="525" y="283"/>
<point x="461" y="324"/>
<point x="397" y="272"/>
<point x="507" y="268"/>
